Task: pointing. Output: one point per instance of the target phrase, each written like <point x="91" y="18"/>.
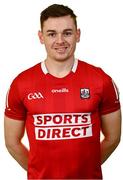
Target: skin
<point x="14" y="132"/>
<point x="59" y="35"/>
<point x="111" y="129"/>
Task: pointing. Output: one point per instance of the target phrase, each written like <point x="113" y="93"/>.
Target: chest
<point x="56" y="97"/>
<point x="63" y="110"/>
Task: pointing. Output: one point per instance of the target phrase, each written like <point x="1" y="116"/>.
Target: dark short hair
<point x="56" y="10"/>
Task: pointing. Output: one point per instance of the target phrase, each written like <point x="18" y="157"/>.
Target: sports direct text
<point x="62" y="126"/>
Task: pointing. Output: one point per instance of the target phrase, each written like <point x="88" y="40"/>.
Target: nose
<point x="60" y="38"/>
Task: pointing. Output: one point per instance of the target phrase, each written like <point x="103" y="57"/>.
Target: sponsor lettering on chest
<point x="62" y="126"/>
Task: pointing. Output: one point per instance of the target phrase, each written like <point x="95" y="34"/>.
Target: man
<point x="63" y="103"/>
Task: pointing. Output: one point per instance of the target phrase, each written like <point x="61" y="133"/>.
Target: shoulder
<point x="28" y="74"/>
<point x="93" y="71"/>
<point x="25" y="81"/>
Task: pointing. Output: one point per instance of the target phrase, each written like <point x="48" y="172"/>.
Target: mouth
<point x="61" y="49"/>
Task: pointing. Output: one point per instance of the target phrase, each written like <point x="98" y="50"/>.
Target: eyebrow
<point x="50" y="30"/>
<point x="67" y="30"/>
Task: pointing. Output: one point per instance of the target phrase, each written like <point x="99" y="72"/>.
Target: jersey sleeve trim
<point x="14" y="104"/>
<point x="108" y="111"/>
<point x="110" y="96"/>
<point x="17" y="118"/>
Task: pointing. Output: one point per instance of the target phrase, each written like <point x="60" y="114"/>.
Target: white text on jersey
<point x="62" y="90"/>
<point x="62" y="126"/>
<point x="35" y="95"/>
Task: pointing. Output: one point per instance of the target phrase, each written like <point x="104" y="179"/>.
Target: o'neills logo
<point x="62" y="126"/>
<point x="62" y="90"/>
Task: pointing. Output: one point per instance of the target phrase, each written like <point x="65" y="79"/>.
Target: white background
<point x="101" y="23"/>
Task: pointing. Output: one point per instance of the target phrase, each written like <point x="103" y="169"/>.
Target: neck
<point x="59" y="68"/>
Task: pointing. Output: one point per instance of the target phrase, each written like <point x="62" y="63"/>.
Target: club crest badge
<point x="85" y="93"/>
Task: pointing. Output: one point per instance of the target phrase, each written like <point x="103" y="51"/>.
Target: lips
<point x="61" y="49"/>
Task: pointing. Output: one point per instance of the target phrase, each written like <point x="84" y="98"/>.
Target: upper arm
<point x="13" y="130"/>
<point x="111" y="125"/>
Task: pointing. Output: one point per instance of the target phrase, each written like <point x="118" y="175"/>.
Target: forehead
<point x="59" y="23"/>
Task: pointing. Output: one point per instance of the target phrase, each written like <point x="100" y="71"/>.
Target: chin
<point x="61" y="59"/>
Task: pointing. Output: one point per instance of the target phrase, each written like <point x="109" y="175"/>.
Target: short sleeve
<point x="14" y="105"/>
<point x="110" y="96"/>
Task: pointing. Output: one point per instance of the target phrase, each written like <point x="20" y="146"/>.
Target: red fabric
<point x="63" y="120"/>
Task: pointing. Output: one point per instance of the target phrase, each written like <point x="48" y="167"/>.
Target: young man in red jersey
<point x="63" y="103"/>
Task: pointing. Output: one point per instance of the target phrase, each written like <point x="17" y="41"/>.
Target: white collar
<point x="45" y="71"/>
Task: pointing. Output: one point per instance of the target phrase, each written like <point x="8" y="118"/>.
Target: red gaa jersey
<point x="63" y="117"/>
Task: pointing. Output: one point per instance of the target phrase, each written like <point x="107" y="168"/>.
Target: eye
<point x="67" y="33"/>
<point x="52" y="34"/>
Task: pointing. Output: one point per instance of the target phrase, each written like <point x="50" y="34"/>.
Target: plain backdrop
<point x="101" y="44"/>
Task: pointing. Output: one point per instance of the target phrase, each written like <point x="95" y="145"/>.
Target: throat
<point x="60" y="74"/>
<point x="59" y="70"/>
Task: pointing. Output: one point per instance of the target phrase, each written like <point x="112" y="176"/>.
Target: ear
<point x="78" y="33"/>
<point x="40" y="35"/>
